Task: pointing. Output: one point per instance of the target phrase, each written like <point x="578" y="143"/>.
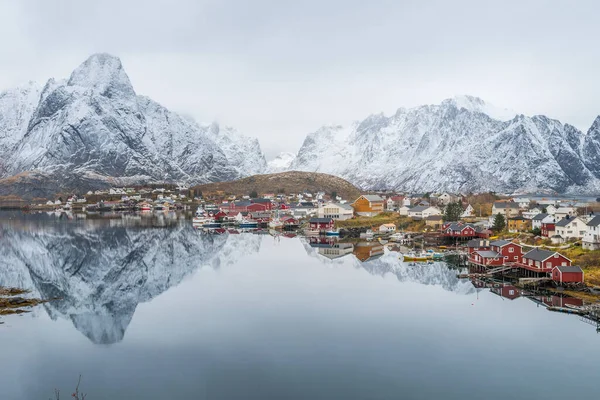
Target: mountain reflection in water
<point x="102" y="269"/>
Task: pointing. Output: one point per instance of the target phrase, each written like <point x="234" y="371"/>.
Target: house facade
<point x="539" y="219"/>
<point x="591" y="239"/>
<point x="486" y="258"/>
<point x="368" y="205"/>
<point x="511" y="252"/>
<point x="544" y="260"/>
<point x="477" y="244"/>
<point x="571" y="228"/>
<point x="387" y="228"/>
<point x="518" y="224"/>
<point x="321" y="224"/>
<point x="548" y="229"/>
<point x="422" y="212"/>
<point x="567" y="274"/>
<point x="337" y="211"/>
<point x="507" y="208"/>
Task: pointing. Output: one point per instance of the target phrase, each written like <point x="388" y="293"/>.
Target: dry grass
<point x="374" y="222"/>
<point x="286" y="182"/>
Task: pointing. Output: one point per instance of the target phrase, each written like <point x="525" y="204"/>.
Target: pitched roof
<point x="419" y="208"/>
<point x="500" y="243"/>
<point x="478" y="243"/>
<point x="261" y="200"/>
<point x="506" y="204"/>
<point x="572" y="268"/>
<point x="539" y="254"/>
<point x="540" y="217"/>
<point x="594" y="221"/>
<point x="319" y="220"/>
<point x="564" y="222"/>
<point x="488" y="253"/>
<point x="372" y="197"/>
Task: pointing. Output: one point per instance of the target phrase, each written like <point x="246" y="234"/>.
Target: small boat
<point x="248" y="223"/>
<point x="412" y="256"/>
<point x="332" y="232"/>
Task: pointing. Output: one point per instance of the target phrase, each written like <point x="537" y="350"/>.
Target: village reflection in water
<point x="85" y="264"/>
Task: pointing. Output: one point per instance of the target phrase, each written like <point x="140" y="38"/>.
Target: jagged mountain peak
<point x="104" y="74"/>
<point x="476" y="104"/>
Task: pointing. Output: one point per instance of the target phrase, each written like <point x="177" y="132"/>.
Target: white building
<point x="529" y="214"/>
<point x="591" y="239"/>
<point x="571" y="228"/>
<point x="523" y="202"/>
<point x="387" y="228"/>
<point x="336" y="211"/>
<point x="563" y="212"/>
<point x="469" y="212"/>
<point x="423" y="212"/>
<point x="508" y="209"/>
<point x="541" y="218"/>
<point x="446" y="198"/>
<point x="404" y="210"/>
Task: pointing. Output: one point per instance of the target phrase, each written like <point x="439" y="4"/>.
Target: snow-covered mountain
<point x="462" y="144"/>
<point x="94" y="127"/>
<point x="280" y="163"/>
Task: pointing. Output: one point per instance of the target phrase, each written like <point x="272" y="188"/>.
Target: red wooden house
<point x="511" y="252"/>
<point x="265" y="202"/>
<point x="539" y="260"/>
<point x="567" y="274"/>
<point x="321" y="224"/>
<point x="486" y="258"/>
<point x="477" y="244"/>
<point x="458" y="230"/>
<point x="548" y="229"/>
<point x="257" y="207"/>
<point x="236" y="206"/>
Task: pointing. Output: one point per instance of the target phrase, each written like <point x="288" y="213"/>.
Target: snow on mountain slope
<point x="93" y="125"/>
<point x="457" y="148"/>
<point x="16" y="108"/>
<point x="280" y="163"/>
<point x="243" y="153"/>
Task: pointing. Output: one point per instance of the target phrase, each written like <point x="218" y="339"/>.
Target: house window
<point x="564" y="264"/>
<point x="556" y="256"/>
<point x="516" y="257"/>
<point x="511" y="250"/>
<point x="548" y="265"/>
<point x="511" y="292"/>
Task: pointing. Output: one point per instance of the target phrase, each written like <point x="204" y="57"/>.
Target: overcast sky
<point x="278" y="69"/>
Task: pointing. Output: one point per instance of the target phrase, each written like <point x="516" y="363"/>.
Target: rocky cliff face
<point x="456" y="146"/>
<point x="94" y="127"/>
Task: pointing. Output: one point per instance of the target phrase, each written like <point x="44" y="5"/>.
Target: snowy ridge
<point x="456" y="146"/>
<point x="94" y="126"/>
<point x="280" y="163"/>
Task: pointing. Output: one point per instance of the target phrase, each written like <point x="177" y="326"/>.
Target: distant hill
<point x="284" y="182"/>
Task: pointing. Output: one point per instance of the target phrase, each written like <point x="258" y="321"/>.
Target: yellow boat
<point x="415" y="257"/>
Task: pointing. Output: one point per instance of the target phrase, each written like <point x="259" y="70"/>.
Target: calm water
<point x="151" y="309"/>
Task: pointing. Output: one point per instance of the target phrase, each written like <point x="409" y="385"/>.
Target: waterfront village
<point x="533" y="240"/>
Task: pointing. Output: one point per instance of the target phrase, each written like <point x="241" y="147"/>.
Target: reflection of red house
<point x="290" y="221"/>
<point x="511" y="252"/>
<point x="220" y="215"/>
<point x="567" y="274"/>
<point x="507" y="291"/>
<point x="559" y="301"/>
<point x="284" y="207"/>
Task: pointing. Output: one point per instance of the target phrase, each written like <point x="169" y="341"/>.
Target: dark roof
<point x="500" y="243"/>
<point x="539" y="255"/>
<point x="478" y="243"/>
<point x="488" y="253"/>
<point x="319" y="220"/>
<point x="564" y="222"/>
<point x="241" y="203"/>
<point x="519" y="218"/>
<point x="419" y="208"/>
<point x="572" y="268"/>
<point x="540" y="217"/>
<point x="506" y="204"/>
<point x="594" y="221"/>
<point x="261" y="200"/>
<point x="372" y="197"/>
